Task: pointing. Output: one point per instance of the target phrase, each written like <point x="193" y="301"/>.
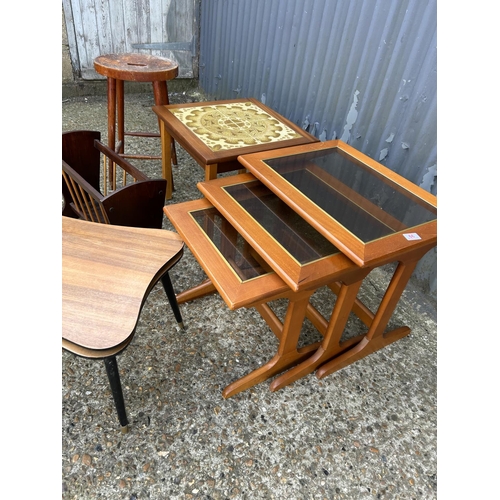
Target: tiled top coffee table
<point x="215" y="133"/>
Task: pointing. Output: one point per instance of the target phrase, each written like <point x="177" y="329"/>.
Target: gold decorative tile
<point x="236" y="125"/>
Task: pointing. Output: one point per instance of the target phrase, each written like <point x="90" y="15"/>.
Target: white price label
<point x="412" y="236"/>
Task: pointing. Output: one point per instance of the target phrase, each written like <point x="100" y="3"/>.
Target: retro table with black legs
<point x="306" y="217"/>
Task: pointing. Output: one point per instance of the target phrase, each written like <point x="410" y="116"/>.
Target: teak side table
<point x="215" y="133"/>
<point x="309" y="216"/>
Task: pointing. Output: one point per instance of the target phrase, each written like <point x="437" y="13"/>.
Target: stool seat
<point x="133" y="67"/>
<point x="136" y="67"/>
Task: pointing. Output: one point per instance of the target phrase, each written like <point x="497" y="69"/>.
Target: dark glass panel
<point x="238" y="253"/>
<point x="292" y="232"/>
<point x="366" y="204"/>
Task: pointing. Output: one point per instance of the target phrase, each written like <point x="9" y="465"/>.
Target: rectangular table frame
<point x="214" y="162"/>
<point x="291" y="362"/>
<point x="364" y="254"/>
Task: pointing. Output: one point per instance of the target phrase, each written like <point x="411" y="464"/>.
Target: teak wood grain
<point x="343" y="273"/>
<point x="107" y="274"/>
<point x="382" y="250"/>
<point x="223" y="160"/>
<point x="298" y="277"/>
<point x="235" y="291"/>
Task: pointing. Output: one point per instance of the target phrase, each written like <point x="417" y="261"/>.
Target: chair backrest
<point x="86" y="201"/>
<point x="79" y="152"/>
<point x="138" y="204"/>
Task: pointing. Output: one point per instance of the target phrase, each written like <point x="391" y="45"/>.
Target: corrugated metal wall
<point x="363" y="71"/>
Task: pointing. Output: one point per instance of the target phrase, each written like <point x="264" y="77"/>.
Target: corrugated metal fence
<point x="363" y="71"/>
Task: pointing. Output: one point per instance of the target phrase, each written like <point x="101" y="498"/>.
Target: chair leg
<point x="116" y="388"/>
<point x="169" y="290"/>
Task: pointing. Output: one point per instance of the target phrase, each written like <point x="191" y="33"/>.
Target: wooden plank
<point x="97" y="27"/>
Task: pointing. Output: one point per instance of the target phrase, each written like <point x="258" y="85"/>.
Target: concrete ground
<point x="368" y="431"/>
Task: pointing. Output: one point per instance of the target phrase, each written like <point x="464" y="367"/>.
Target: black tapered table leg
<point x="116" y="388"/>
<point x="169" y="290"/>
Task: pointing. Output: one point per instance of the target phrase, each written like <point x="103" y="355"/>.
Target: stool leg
<point x="116" y="388"/>
<point x="169" y="290"/>
<point x="120" y="108"/>
<point x="160" y="91"/>
<point x="111" y="121"/>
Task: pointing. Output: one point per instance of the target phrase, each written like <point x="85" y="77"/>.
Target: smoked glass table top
<point x="236" y="269"/>
<point x="289" y="244"/>
<point x="290" y="230"/>
<point x="239" y="255"/>
<point x="356" y="203"/>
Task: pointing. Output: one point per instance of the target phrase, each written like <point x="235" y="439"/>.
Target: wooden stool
<point x="118" y="68"/>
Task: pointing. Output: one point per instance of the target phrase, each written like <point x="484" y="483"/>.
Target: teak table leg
<point x="331" y="341"/>
<point x="288" y="354"/>
<point x="166" y="159"/>
<point x="160" y="92"/>
<point x="211" y="172"/>
<point x="375" y="339"/>
<point x="206" y="287"/>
